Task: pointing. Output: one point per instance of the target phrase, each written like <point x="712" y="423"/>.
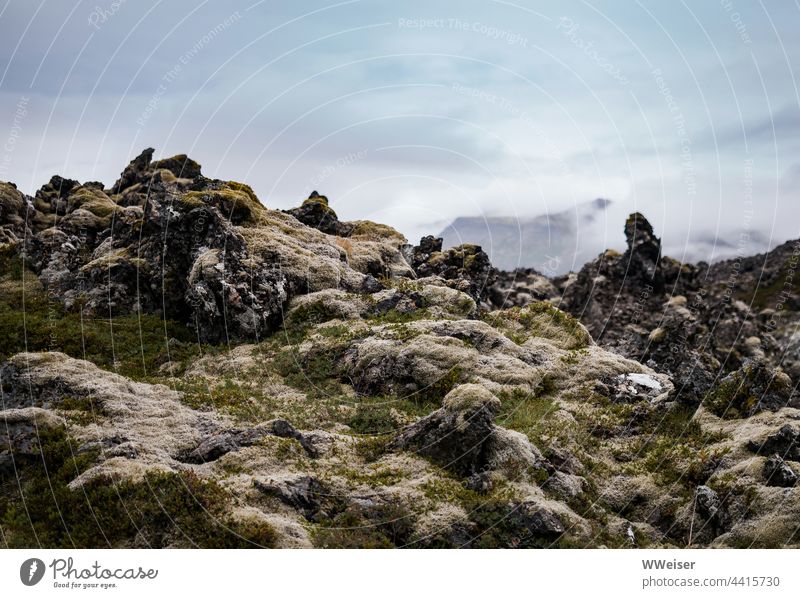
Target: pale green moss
<point x="239" y="204"/>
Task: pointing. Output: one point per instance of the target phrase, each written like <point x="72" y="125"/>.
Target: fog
<point x="417" y="113"/>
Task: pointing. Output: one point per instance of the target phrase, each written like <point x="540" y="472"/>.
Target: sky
<point x="416" y="113"/>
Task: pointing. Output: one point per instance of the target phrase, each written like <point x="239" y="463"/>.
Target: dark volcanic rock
<point x="162" y="244"/>
<point x="778" y="473"/>
<point x="694" y="323"/>
<point x="707" y="503"/>
<point x="316" y="213"/>
<point x="455" y="435"/>
<point x="462" y="437"/>
<point x="135" y="171"/>
<point x="464" y="267"/>
<point x="785" y="442"/>
<point x="537" y="521"/>
<point x="304" y="493"/>
<point x="753" y="388"/>
<point x="520" y="287"/>
<point x="215" y="446"/>
<point x="181" y="166"/>
<point x="617" y="290"/>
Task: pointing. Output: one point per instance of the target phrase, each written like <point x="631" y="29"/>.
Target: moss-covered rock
<point x="753" y="388"/>
<point x="236" y="202"/>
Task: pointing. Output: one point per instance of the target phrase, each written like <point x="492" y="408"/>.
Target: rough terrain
<point x="182" y="365"/>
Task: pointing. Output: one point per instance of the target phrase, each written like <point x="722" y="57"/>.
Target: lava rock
<point x="316" y="213"/>
<point x="537" y="520"/>
<point x="778" y="473"/>
<point x="464" y="267"/>
<point x="454" y="436"/>
<point x="304" y="493"/>
<point x="785" y="442"/>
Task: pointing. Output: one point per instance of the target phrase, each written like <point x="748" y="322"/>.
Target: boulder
<point x="454" y="436"/>
<point x="464" y="267"/>
<point x="778" y="473"/>
<point x="785" y="443"/>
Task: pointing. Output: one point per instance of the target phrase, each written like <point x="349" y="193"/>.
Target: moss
<point x="738" y="394"/>
<point x="402" y="332"/>
<point x="527" y="413"/>
<point x="374" y="231"/>
<point x="11" y="264"/>
<point x="82" y="410"/>
<point x="435" y="393"/>
<point x="374" y="477"/>
<point x="244" y="188"/>
<point x="179" y="165"/>
<point x="190" y="201"/>
<point x="237" y="203"/>
<point x="666" y="459"/>
<point x="394" y="316"/>
<point x="379" y="415"/>
<point x="372" y="419"/>
<point x="305" y="316"/>
<point x="382" y="526"/>
<point x="134" y="346"/>
<point x="316" y="373"/>
<point x="402" y="284"/>
<point x="336" y="331"/>
<point x="93" y="201"/>
<point x="230" y="397"/>
<point x="165" y="509"/>
<point x="494" y="524"/>
<point x="117" y="259"/>
<point x="540" y="320"/>
<point x="372" y="448"/>
<point x="678" y="450"/>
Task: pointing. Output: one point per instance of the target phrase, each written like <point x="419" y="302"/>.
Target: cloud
<point x="486" y="109"/>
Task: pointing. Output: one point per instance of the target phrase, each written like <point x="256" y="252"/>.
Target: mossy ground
<point x="543" y="320"/>
<point x="133" y="345"/>
<point x="165" y="509"/>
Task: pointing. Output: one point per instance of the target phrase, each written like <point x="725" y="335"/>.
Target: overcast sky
<point x="414" y="113"/>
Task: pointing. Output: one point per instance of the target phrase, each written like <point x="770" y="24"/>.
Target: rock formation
<point x="182" y="365"/>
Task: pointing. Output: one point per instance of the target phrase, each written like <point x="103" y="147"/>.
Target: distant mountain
<point x="551" y="243"/>
<point x="711" y="248"/>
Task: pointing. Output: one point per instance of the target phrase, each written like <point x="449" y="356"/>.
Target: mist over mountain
<point x="562" y="241"/>
<point x="551" y="243"/>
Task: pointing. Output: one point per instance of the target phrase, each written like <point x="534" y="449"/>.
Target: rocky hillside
<point x="182" y="365"/>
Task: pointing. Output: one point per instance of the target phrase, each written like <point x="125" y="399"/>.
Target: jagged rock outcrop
<point x="294" y="380"/>
<point x="521" y="287"/>
<point x="753" y="388"/>
<point x="606" y="291"/>
<point x="778" y="473"/>
<point x="166" y="240"/>
<point x="785" y="442"/>
<point x="464" y="267"/>
<point x="689" y="322"/>
<point x="316" y="213"/>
